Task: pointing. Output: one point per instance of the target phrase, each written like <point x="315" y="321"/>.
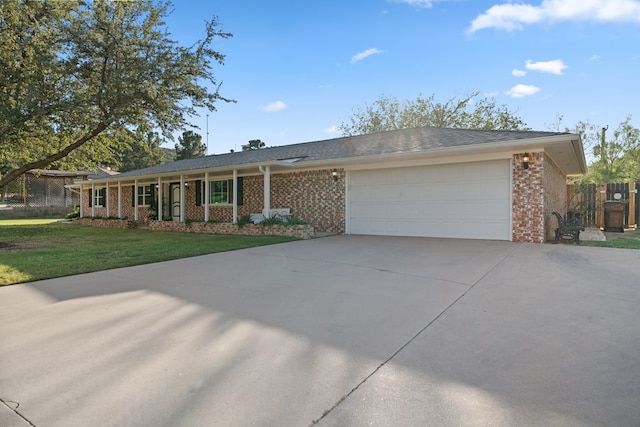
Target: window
<point x="144" y="195"/>
<point x="99" y="197"/>
<point x="221" y="191"/>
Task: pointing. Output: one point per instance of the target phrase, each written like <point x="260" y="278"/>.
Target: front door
<point x="175" y="201"/>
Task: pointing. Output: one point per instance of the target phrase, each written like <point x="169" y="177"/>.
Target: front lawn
<point x="42" y="249"/>
<point x="626" y="240"/>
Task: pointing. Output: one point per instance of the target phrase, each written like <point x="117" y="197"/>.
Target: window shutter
<point x="198" y="193"/>
<point x="152" y="197"/>
<point x="239" y="191"/>
<point x="133" y="196"/>
<point x="90" y="198"/>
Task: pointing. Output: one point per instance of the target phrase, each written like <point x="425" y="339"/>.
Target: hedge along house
<point x="432" y="182"/>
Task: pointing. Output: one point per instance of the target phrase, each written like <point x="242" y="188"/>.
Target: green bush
<point x="244" y="220"/>
<point x="75" y="213"/>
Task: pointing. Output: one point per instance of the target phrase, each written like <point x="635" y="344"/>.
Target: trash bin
<point x="614" y="216"/>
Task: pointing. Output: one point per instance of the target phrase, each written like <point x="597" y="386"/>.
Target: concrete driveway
<point x="339" y="331"/>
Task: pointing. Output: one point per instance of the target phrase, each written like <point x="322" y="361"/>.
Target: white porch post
<point x="182" y="198"/>
<point x="267" y="192"/>
<point x="135" y="200"/>
<point x="159" y="199"/>
<point x="206" y="196"/>
<point x="106" y="196"/>
<point x="93" y="201"/>
<point x="235" y="196"/>
<point x="119" y="199"/>
<point x="81" y="202"/>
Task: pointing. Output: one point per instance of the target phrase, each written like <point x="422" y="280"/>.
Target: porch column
<point x="159" y="199"/>
<point x="135" y="200"/>
<point x="106" y="196"/>
<point x="81" y="202"/>
<point x="182" y="183"/>
<point x="92" y="200"/>
<point x="235" y="196"/>
<point x="206" y="196"/>
<point x="633" y="221"/>
<point x="267" y="192"/>
<point x="119" y="199"/>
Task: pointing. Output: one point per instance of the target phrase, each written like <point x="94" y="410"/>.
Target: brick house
<point x="433" y="182"/>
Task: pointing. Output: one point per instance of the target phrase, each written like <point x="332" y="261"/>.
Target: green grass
<point x="41" y="249"/>
<point x="626" y="240"/>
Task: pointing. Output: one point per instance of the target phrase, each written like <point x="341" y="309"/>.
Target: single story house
<point x="433" y="182"/>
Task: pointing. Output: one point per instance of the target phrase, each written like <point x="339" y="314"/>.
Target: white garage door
<point x="465" y="200"/>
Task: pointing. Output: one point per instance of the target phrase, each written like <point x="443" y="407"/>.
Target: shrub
<point x="244" y="220"/>
<point x="75" y="213"/>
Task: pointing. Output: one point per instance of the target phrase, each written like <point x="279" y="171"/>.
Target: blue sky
<point x="299" y="68"/>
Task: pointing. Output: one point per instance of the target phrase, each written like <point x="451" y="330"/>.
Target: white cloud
<point x="556" y="66"/>
<point x="418" y="3"/>
<point x="333" y="130"/>
<point x="519" y="73"/>
<point x="520" y="91"/>
<point x="274" y="107"/>
<point x="514" y="16"/>
<point x="362" y="55"/>
<point x="595" y="58"/>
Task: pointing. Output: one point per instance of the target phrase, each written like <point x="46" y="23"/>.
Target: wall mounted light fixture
<point x="334" y="174"/>
<point x="525" y="160"/>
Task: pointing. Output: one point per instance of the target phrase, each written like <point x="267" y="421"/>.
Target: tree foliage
<point x="254" y="144"/>
<point x="388" y="113"/>
<point x="142" y="153"/>
<point x="77" y="74"/>
<point x="190" y="146"/>
<point x="616" y="159"/>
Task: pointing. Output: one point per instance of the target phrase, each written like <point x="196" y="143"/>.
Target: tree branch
<point x="12" y="175"/>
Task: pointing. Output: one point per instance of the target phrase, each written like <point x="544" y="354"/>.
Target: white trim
<point x="134" y="193"/>
<point x="81" y="202"/>
<point x="347" y="200"/>
<point x="206" y="196"/>
<point x="235" y="196"/>
<point x="159" y="201"/>
<point x="182" y="198"/>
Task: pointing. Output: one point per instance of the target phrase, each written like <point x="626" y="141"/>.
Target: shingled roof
<point x="423" y="139"/>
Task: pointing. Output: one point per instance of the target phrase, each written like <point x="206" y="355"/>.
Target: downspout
<point x="266" y="171"/>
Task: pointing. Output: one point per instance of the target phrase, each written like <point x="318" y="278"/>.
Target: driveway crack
<point x="343" y="398"/>
<point x="13" y="406"/>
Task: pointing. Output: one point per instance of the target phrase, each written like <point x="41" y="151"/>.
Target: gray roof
<point x="392" y="142"/>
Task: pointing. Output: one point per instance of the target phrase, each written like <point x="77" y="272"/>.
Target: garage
<point x="462" y="200"/>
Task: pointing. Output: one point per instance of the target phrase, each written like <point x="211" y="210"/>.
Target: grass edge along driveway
<point x="43" y="249"/>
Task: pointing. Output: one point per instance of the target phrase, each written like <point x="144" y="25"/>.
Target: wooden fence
<point x="588" y="199"/>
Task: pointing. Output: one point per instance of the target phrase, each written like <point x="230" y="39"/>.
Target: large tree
<point x="75" y="74"/>
<point x="388" y="113"/>
<point x="616" y="153"/>
<point x="142" y="153"/>
<point x="190" y="145"/>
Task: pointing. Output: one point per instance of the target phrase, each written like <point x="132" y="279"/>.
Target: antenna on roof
<point x="207" y="139"/>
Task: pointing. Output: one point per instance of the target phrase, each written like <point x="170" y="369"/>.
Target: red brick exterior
<point x="313" y="196"/>
<point x="537" y="192"/>
<point x="317" y="198"/>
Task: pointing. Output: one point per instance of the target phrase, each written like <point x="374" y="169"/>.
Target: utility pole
<point x="603" y="145"/>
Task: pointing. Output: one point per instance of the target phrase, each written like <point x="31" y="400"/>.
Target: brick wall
<point x="537" y="192"/>
<point x="528" y="199"/>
